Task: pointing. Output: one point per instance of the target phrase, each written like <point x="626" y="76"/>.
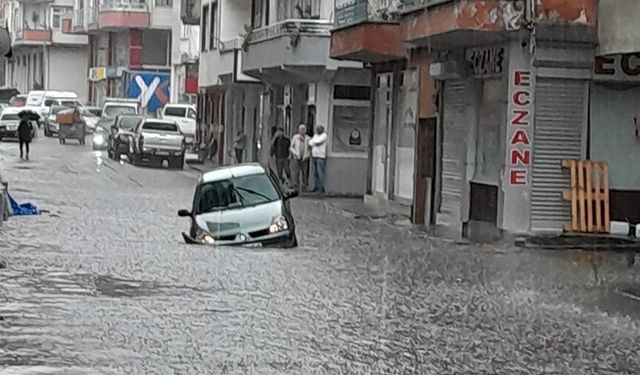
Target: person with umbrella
<point x="25" y="132"/>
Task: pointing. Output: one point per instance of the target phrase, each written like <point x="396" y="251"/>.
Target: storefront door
<point x="405" y="121"/>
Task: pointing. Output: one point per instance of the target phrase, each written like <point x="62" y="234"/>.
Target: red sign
<point x="519" y="126"/>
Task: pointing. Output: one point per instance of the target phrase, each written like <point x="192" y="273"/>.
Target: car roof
<point x="159" y="120"/>
<point x="180" y="105"/>
<point x="226" y="172"/>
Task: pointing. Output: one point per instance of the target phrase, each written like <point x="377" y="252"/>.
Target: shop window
<point x="490" y="120"/>
<point x="351" y="92"/>
<point x="350" y="132"/>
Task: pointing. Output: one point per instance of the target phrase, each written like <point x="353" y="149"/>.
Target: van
<point x="41" y="101"/>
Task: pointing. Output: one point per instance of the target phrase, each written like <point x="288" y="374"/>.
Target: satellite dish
<point x="5" y="43"/>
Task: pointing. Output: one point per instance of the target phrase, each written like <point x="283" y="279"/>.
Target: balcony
<point x="190" y="11"/>
<point x="291" y="51"/>
<point x="366" y="30"/>
<point x="224" y="64"/>
<point x="33" y="37"/>
<point x="122" y="14"/>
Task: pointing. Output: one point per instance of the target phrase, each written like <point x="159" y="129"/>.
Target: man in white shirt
<point x="318" y="145"/>
<point x="300" y="154"/>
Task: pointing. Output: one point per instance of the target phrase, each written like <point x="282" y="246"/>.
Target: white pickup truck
<point x="185" y="116"/>
<point x="118" y="106"/>
<point x="156" y="141"/>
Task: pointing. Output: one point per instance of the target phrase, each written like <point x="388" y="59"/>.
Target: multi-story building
<point x="477" y="103"/>
<point x="138" y="50"/>
<point x="266" y="64"/>
<point x="44" y="56"/>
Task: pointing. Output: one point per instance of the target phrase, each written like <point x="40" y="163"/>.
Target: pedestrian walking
<point x="25" y="132"/>
<point x="318" y="145"/>
<point x="239" y="144"/>
<point x="300" y="155"/>
<point x="280" y="149"/>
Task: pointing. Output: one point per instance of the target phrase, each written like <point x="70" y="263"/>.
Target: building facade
<point x="138" y="50"/>
<point x="44" y="56"/>
<point x="268" y="63"/>
<point x="506" y="90"/>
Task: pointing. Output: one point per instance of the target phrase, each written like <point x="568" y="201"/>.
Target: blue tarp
<point x="24" y="209"/>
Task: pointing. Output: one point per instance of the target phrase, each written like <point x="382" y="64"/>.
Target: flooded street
<point x="102" y="283"/>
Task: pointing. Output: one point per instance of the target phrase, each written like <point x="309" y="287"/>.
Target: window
<point x="164" y="3"/>
<point x="245" y="191"/>
<point x="57" y="13"/>
<point x="256" y="13"/>
<point x="192" y="114"/>
<point x="203" y="28"/>
<point x="129" y="122"/>
<point x="298" y="9"/>
<point x="175" y="111"/>
<point x="352" y="92"/>
<point x="213" y="28"/>
<point x="156" y="47"/>
<point x="160" y="126"/>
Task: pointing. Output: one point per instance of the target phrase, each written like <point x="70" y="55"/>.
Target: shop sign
<point x="617" y="68"/>
<point x="519" y="127"/>
<point x="485" y="62"/>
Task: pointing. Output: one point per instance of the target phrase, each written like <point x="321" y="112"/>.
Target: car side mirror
<point x="291" y="194"/>
<point x="184" y="213"/>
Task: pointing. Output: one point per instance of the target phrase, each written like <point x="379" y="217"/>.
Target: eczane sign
<point x="617" y="68"/>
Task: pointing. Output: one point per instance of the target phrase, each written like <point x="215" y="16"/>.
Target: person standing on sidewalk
<point x="300" y="154"/>
<point x="280" y="149"/>
<point x="239" y="144"/>
<point x="25" y="131"/>
<point x="318" y="145"/>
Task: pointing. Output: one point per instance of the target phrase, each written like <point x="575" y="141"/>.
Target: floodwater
<point x="102" y="284"/>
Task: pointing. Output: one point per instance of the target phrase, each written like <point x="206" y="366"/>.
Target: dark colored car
<point x="122" y="135"/>
<point x="241" y="205"/>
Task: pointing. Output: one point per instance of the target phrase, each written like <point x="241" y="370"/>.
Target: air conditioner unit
<point x="451" y="69"/>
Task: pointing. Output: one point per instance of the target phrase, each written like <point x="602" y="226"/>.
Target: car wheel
<point x="291" y="242"/>
<point x="178" y="163"/>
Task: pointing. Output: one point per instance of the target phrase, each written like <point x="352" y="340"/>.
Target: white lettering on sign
<point x="520" y="144"/>
<point x="486" y="61"/>
<point x="617" y="67"/>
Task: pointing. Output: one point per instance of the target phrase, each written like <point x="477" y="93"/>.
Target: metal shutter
<point x="560" y="115"/>
<point x="454" y="144"/>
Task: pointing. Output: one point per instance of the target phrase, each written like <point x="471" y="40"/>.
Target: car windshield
<point x="115" y="110"/>
<point x="160" y="126"/>
<point x="56" y="110"/>
<point x="175" y="111"/>
<point x="10" y="117"/>
<point x="105" y="124"/>
<point x="97" y="112"/>
<point x="236" y="192"/>
<point x="70" y="103"/>
<point x="129" y="122"/>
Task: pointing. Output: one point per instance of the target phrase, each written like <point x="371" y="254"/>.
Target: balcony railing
<point x="231" y="44"/>
<point x="33" y="35"/>
<point x="123" y="6"/>
<point x="352" y="12"/>
<point x="291" y="27"/>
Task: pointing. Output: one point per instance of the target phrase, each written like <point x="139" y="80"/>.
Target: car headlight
<point x="207" y="240"/>
<point x="278" y="224"/>
<point x="98" y="139"/>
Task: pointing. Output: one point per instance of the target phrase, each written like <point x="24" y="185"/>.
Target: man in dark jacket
<point x="280" y="149"/>
<point x="25" y="131"/>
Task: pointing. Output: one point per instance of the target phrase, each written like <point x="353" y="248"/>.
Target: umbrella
<point x="29" y="115"/>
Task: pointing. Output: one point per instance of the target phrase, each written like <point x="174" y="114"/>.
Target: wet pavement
<point x="102" y="284"/>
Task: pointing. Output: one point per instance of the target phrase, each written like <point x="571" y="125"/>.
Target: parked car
<point x="185" y="116"/>
<point x="18" y="101"/>
<point x="41" y="101"/>
<point x="51" y="126"/>
<point x="241" y="205"/>
<point x="122" y="134"/>
<point x="119" y="106"/>
<point x="156" y="141"/>
<point x="9" y="122"/>
<point x="100" y="139"/>
<point x="91" y="116"/>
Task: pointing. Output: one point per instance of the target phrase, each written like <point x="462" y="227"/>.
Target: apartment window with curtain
<point x="164" y="3"/>
<point x="298" y="9"/>
<point x="213" y="29"/>
<point x="57" y="13"/>
<point x="256" y="13"/>
<point x="203" y="28"/>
